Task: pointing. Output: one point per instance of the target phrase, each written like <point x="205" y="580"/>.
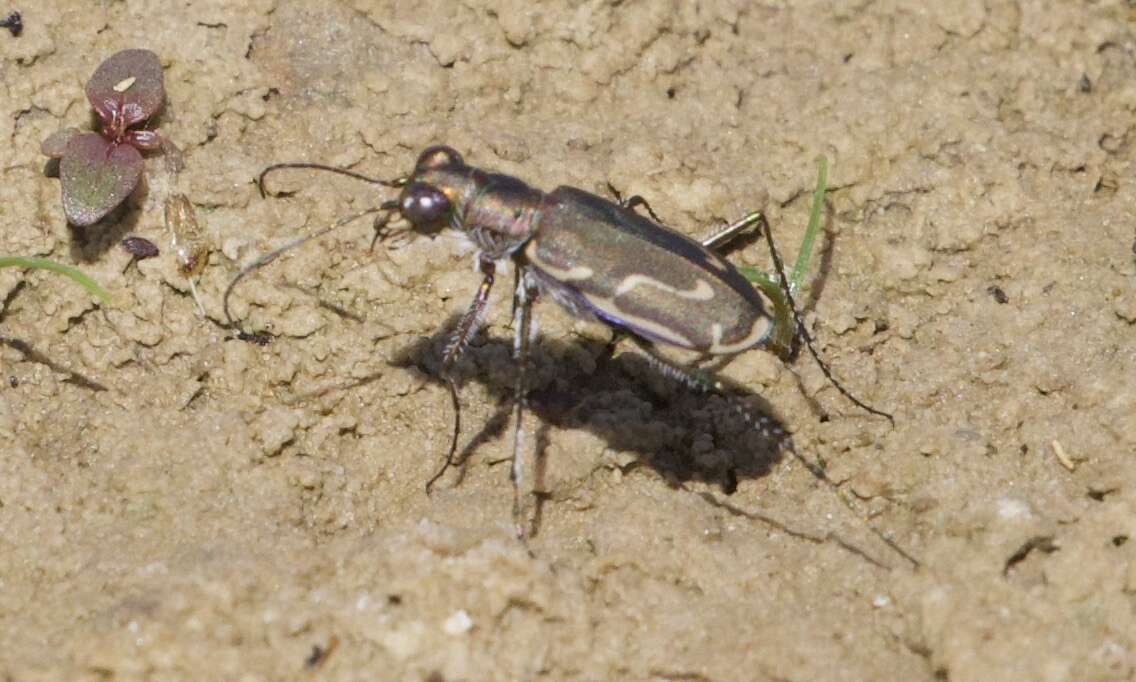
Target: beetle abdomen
<point x="643" y="277"/>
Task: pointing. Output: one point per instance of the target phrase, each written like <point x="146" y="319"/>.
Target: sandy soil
<point x="221" y="509"/>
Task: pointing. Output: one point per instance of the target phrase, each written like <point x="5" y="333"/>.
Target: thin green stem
<point x="784" y="328"/>
<point x="757" y="276"/>
<point x="806" y="251"/>
<point x="45" y="264"/>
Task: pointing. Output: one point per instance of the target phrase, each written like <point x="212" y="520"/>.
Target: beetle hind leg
<point x="766" y="427"/>
<point x="698" y="380"/>
<point x="721" y="238"/>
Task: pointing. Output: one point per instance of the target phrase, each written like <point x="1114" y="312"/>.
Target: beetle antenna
<point x="397" y="182"/>
<point x="804" y="334"/>
<point x="456" y="402"/>
<point x="262" y="338"/>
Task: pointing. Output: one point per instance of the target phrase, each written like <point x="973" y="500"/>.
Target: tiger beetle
<point x="600" y="260"/>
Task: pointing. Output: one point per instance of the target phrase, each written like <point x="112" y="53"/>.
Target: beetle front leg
<point x="467" y="327"/>
<point x="473" y="317"/>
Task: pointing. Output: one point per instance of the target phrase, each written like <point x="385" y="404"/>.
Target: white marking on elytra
<point x="760" y="331"/>
<point x="701" y="291"/>
<point x="573" y="274"/>
<point x="576" y="272"/>
<point x="652" y="328"/>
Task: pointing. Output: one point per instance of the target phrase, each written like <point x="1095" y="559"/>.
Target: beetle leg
<point x="727" y="234"/>
<point x="517" y="275"/>
<point x="466" y="329"/>
<point x="716" y="240"/>
<point x="706" y="382"/>
<point x="636" y="200"/>
<point x="523" y="297"/>
<point x="471" y="320"/>
<point x="632" y="201"/>
<point x="699" y="381"/>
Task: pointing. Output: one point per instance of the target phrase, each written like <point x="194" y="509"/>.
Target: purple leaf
<point x="96" y="176"/>
<point x="56" y="143"/>
<point x="128" y="83"/>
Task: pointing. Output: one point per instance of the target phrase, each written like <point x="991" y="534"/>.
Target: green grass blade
<point x="755" y="275"/>
<point x="44" y="264"/>
<point x="806" y="251"/>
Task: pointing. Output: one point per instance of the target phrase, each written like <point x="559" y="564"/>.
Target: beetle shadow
<point x="683" y="434"/>
<point x="32" y="355"/>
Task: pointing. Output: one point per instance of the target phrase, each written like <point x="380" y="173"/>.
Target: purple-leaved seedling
<point x="98" y="171"/>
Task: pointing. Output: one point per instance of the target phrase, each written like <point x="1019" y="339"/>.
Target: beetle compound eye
<point x="421" y="203"/>
<point x="438" y="156"/>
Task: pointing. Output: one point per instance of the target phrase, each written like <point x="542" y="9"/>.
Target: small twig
<point x="1062" y="456"/>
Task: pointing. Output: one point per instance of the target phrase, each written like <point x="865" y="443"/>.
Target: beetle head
<point x="438" y="184"/>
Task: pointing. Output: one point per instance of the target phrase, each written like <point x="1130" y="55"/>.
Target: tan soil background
<point x="220" y="509"/>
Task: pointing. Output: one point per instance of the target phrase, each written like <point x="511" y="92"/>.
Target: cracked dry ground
<point x="220" y="509"/>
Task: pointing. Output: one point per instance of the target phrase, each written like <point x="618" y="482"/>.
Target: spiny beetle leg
<point x="632" y="201"/>
<point x="471" y="320"/>
<point x="523" y="298"/>
<point x="636" y="200"/>
<point x="727" y="234"/>
<point x="466" y="329"/>
<point x="785" y="337"/>
<point x="705" y="382"/>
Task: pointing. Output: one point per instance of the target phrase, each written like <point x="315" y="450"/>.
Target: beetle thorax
<point x="500" y="215"/>
<point x="497" y="212"/>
